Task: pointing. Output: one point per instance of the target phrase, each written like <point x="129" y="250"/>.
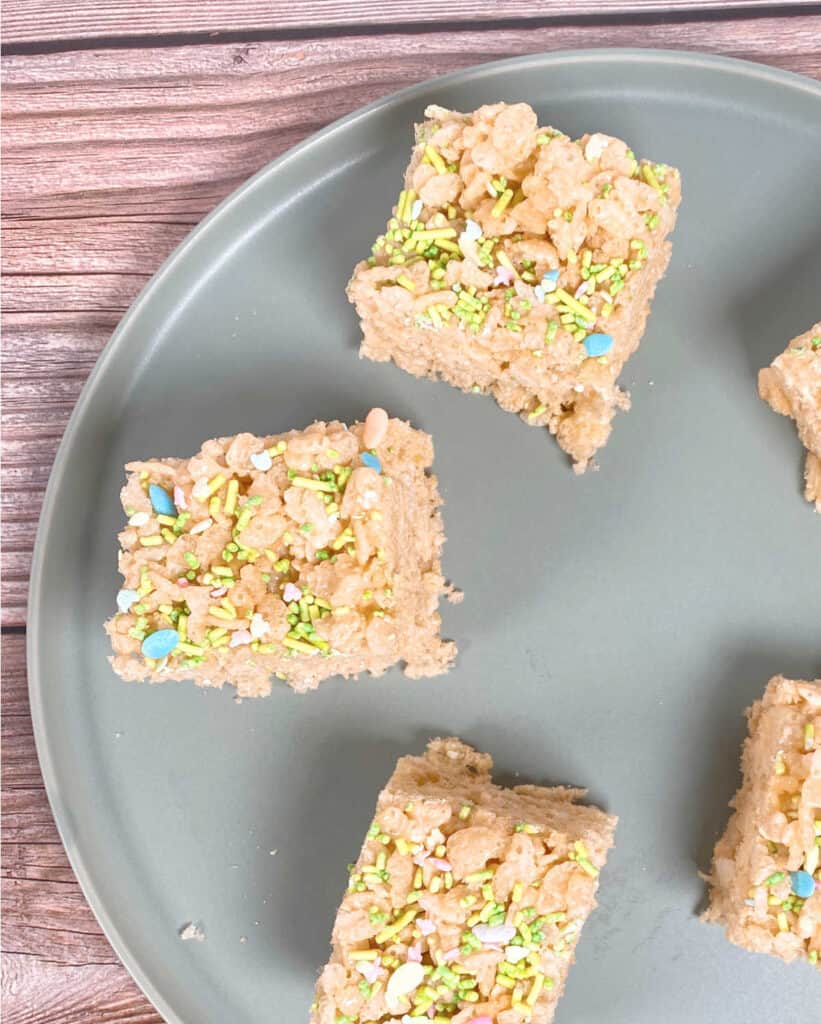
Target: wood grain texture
<point x="111" y="156"/>
<point x="26" y="21"/>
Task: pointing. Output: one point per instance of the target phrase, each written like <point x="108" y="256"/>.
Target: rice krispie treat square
<point x="765" y="884"/>
<point x="520" y="263"/>
<point x="301" y="555"/>
<point x="467" y="899"/>
<point x="792" y="386"/>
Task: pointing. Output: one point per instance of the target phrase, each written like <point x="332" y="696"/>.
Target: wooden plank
<point x="37" y="992"/>
<point x="28" y="21"/>
<point x="111" y="156"/>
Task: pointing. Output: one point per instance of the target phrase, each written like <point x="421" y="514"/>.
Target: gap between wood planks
<point x="297" y="20"/>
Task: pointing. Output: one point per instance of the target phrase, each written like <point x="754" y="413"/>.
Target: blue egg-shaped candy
<point x="598" y="344"/>
<point x="157" y="645"/>
<point x="371" y="461"/>
<point x="802" y="883"/>
<point x="161" y="501"/>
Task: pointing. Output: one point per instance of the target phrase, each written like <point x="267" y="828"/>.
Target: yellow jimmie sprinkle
<point x="214" y="506"/>
<point x="167" y="520"/>
<point x="783" y="923"/>
<point x="406" y="282"/>
<point x="400" y="206"/>
<point x="186" y="648"/>
<point x="153" y="541"/>
<point x="573" y="304"/>
<point x="364" y="954"/>
<point x="536" y="412"/>
<point x="535" y="990"/>
<point x="299" y="645"/>
<point x="394" y="929"/>
<point x="505" y="261"/>
<point x="314" y="485"/>
<point x="231" y="496"/>
<point x="221" y="613"/>
<point x="587" y="867"/>
<point x="809" y="736"/>
<point x="432" y="157"/>
<point x="502" y="203"/>
<point x="215" y="483"/>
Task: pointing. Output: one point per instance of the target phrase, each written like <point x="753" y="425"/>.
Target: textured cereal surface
<point x="466" y="900"/>
<point x="285" y="555"/>
<point x="520" y="263"/>
<point x="792" y="386"/>
<point x="769" y="854"/>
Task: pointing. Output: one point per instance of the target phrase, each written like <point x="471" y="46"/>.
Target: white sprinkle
<point x="125" y="598"/>
<point x="513" y="954"/>
<point x="416" y="209"/>
<point x="486" y="933"/>
<point x="191" y="930"/>
<point x="202" y="526"/>
<point x="239" y="638"/>
<point x="259" y="627"/>
<point x="200" y="491"/>
<point x="219" y="591"/>
<point x="595" y="146"/>
<point x="261" y="461"/>
<point x="578" y="388"/>
<point x="473" y="231"/>
<point x="138" y="519"/>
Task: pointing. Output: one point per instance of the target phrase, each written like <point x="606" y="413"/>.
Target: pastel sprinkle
<point x="259" y="627"/>
<point x="504" y="275"/>
<point x="261" y="461"/>
<point x="371" y="461"/>
<point x="202" y="525"/>
<point x="802" y="884"/>
<point x="138" y="519"/>
<point x="416" y="209"/>
<point x="291" y="592"/>
<point x="125" y="598"/>
<point x="550" y="280"/>
<point x="484" y="1019"/>
<point x="161" y="501"/>
<point x="158" y="645"/>
<point x="513" y="954"/>
<point x="179" y="497"/>
<point x="425" y="926"/>
<point x="239" y="638"/>
<point x="473" y="231"/>
<point x="494" y="934"/>
<point x="598" y="344"/>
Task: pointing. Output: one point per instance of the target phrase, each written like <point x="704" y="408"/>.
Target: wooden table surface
<point x="125" y="123"/>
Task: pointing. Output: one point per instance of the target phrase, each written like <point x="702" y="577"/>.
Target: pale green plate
<point x="614" y="626"/>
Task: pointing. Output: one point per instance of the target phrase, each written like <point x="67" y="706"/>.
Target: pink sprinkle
<point x="484" y="1019"/>
<point x="420" y="858"/>
<point x="415" y="953"/>
<point x="425" y="926"/>
<point x="369" y="970"/>
<point x="439" y="864"/>
<point x="219" y="591"/>
<point x="239" y="638"/>
<point x="179" y="497"/>
<point x="291" y="592"/>
<point x="504" y="275"/>
<point x="451" y="955"/>
<point x="182" y="582"/>
<point x="583" y="288"/>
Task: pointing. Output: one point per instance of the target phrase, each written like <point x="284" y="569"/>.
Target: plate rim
<point x="58" y="804"/>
